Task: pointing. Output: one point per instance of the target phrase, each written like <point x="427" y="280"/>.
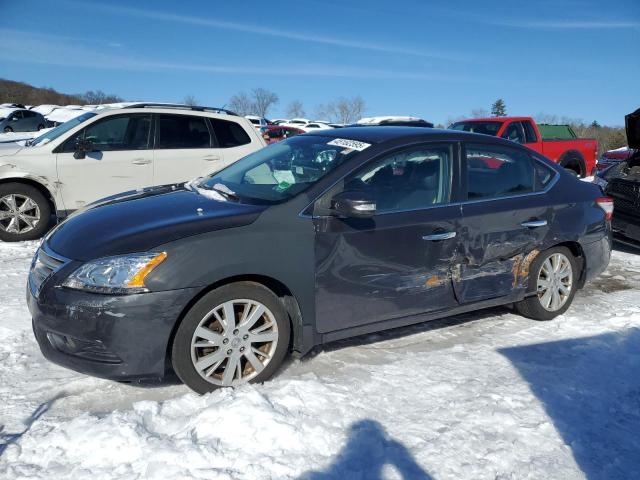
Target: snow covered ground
<point x="487" y="395"/>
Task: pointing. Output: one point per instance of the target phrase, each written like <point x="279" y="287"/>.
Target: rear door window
<point x="495" y="171"/>
<point x="229" y="134"/>
<point x="182" y="131"/>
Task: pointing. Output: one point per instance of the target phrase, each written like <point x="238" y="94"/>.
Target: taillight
<point x="606" y="204"/>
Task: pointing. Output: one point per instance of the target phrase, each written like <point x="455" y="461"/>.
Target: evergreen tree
<point x="498" y="109"/>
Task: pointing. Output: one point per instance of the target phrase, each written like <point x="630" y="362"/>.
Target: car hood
<point x="9" y="148"/>
<point x="140" y="220"/>
<point x="632" y="124"/>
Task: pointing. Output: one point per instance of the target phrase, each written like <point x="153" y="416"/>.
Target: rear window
<point x="182" y="131"/>
<point x="486" y="128"/>
<point x="496" y="171"/>
<point x="229" y="134"/>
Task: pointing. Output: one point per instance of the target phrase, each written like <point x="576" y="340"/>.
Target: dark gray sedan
<point x="20" y="120"/>
<point x="319" y="237"/>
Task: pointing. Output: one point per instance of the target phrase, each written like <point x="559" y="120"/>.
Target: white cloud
<point x="266" y="31"/>
<point x="29" y="47"/>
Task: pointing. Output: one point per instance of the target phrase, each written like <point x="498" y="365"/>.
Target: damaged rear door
<point x="398" y="262"/>
<point x="505" y="220"/>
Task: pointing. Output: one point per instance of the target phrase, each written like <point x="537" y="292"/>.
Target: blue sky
<point x="434" y="59"/>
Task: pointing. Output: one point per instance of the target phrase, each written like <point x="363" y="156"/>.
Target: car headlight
<point x="115" y="275"/>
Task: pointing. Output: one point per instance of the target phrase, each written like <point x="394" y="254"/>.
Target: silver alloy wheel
<point x="18" y="213"/>
<point x="234" y="342"/>
<point x="555" y="281"/>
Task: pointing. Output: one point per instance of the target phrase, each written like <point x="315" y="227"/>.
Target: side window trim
<point x="213" y="140"/>
<point x="527" y="125"/>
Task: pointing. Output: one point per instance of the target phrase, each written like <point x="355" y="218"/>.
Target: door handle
<point x="534" y="223"/>
<point x="439" y="236"/>
<point x="212" y="158"/>
<point x="140" y="161"/>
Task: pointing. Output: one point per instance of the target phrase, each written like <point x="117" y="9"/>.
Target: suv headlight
<point x="115" y="275"/>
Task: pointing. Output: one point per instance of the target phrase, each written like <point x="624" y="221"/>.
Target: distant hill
<point x="19" y="92"/>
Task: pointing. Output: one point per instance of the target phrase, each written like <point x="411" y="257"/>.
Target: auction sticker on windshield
<point x="352" y="144"/>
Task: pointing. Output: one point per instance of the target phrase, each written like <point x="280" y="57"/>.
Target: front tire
<point x="553" y="280"/>
<point x="8" y="129"/>
<point x="25" y="213"/>
<point x="235" y="334"/>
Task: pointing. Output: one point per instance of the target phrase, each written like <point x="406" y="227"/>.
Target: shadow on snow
<point x="368" y="450"/>
<point x="7" y="439"/>
<point x="590" y="387"/>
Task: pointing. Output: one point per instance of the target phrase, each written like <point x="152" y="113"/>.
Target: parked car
<point x="365" y="229"/>
<point x="258" y="122"/>
<point x="621" y="182"/>
<point x="393" y="121"/>
<point x="20" y="120"/>
<point x="578" y="155"/>
<point x="60" y="115"/>
<point x="297" y="122"/>
<point x="277" y="133"/>
<point x="96" y="155"/>
<point x="315" y="126"/>
<point x="614" y="157"/>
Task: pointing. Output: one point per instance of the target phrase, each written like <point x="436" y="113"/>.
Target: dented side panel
<point x="370" y="270"/>
<point x="498" y="250"/>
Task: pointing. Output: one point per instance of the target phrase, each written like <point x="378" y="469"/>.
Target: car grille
<point x="45" y="264"/>
<point x="626" y="196"/>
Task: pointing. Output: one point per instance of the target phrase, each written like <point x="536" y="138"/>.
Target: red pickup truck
<point x="557" y="142"/>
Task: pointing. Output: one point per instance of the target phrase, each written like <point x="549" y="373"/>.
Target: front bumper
<point x="124" y="338"/>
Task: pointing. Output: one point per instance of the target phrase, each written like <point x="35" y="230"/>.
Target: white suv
<point x="110" y="151"/>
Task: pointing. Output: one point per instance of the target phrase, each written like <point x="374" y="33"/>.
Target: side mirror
<point x="82" y="147"/>
<point x="354" y="204"/>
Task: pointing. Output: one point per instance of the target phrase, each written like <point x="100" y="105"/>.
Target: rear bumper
<point x="597" y="256"/>
<point x="123" y="338"/>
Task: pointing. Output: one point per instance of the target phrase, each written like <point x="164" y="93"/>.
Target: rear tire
<point x="209" y="352"/>
<point x="40" y="127"/>
<point x="25" y="213"/>
<point x="550" y="292"/>
<point x="573" y="164"/>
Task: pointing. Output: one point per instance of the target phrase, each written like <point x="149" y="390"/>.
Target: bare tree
<point x="295" y="109"/>
<point x="190" y="100"/>
<point x="98" y="97"/>
<point x="479" y="113"/>
<point x="241" y="104"/>
<point x="343" y="110"/>
<point x="263" y="100"/>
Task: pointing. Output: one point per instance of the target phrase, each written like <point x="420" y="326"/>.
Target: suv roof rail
<point x="195" y="108"/>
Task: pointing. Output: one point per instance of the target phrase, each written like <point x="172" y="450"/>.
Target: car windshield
<point x="282" y="170"/>
<point x="486" y="128"/>
<point x="60" y="129"/>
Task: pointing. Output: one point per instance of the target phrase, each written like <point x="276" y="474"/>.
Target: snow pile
<point x="483" y="395"/>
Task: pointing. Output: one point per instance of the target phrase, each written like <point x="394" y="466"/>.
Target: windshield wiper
<point x="225" y="192"/>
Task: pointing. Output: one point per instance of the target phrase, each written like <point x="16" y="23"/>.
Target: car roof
<point x="379" y="134"/>
<point x="493" y="119"/>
